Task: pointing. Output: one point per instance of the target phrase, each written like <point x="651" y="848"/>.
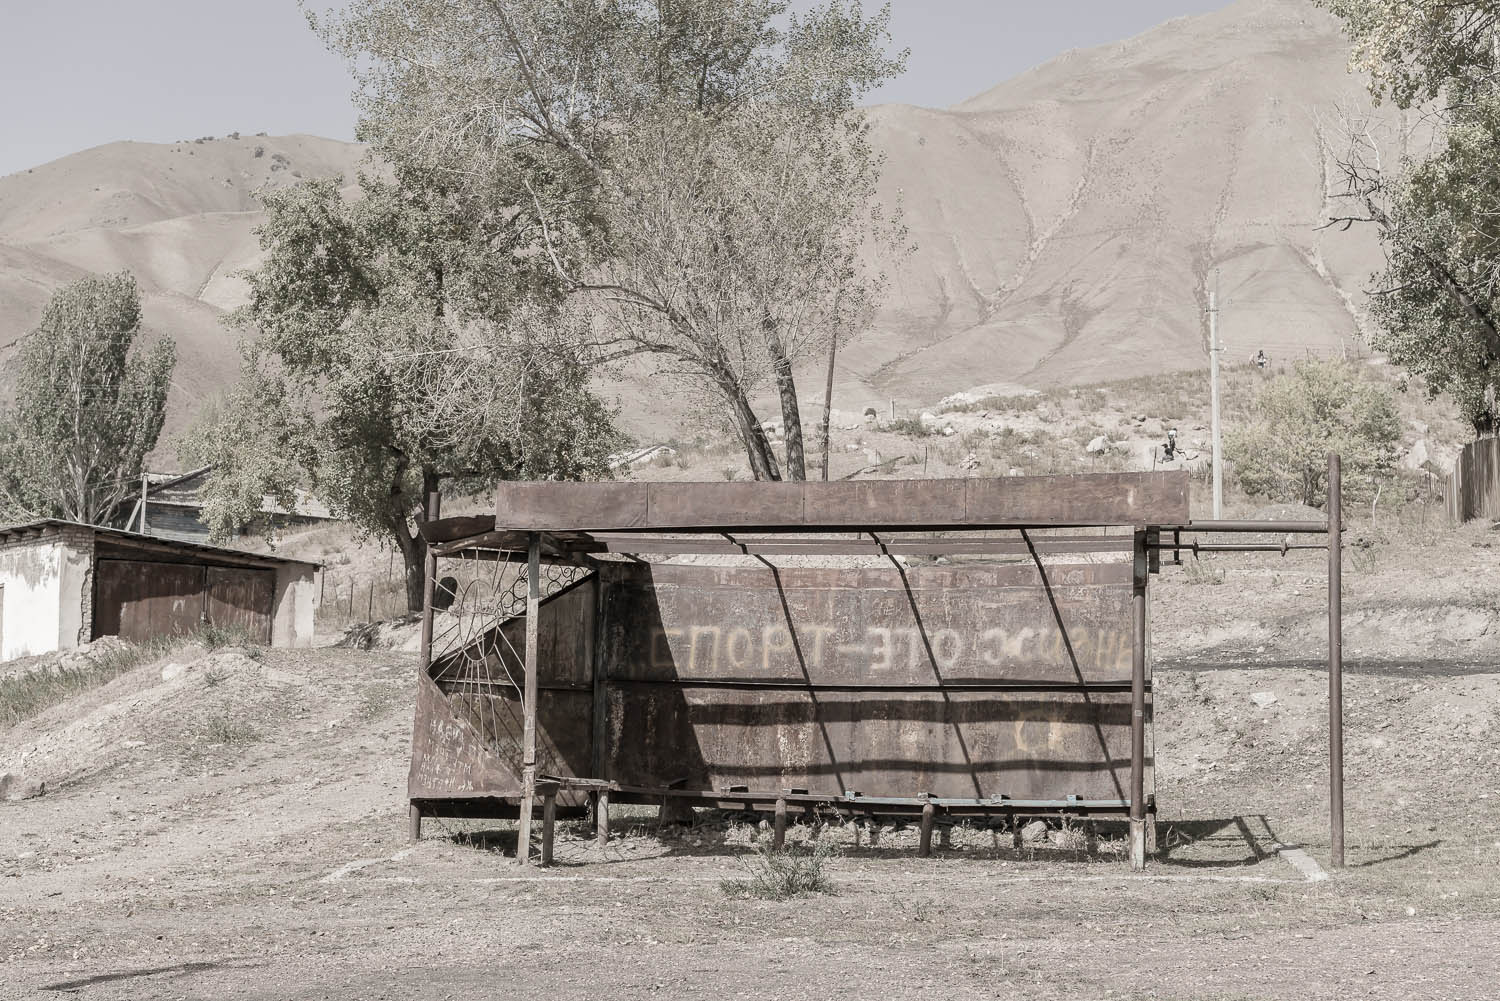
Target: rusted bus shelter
<point x="926" y="648"/>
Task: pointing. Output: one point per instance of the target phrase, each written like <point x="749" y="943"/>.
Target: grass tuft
<point x="784" y="875"/>
<point x="213" y="637"/>
<point x="228" y="731"/>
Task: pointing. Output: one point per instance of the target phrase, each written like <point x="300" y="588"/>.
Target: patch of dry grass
<point x="23" y="696"/>
<point x="784" y="875"/>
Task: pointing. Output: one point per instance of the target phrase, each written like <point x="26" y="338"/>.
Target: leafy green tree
<point x="697" y="172"/>
<point x="1301" y="416"/>
<point x="1435" y="302"/>
<point x="395" y="349"/>
<point x="1417" y="50"/>
<point x="89" y="405"/>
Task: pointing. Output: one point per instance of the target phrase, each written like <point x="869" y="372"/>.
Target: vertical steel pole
<point x="1335" y="662"/>
<point x="1213" y="367"/>
<point x="424" y="655"/>
<point x="434" y="505"/>
<point x="528" y="704"/>
<point x="1138" y="708"/>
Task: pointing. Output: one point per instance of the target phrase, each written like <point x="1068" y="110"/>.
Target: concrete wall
<point x="47" y="598"/>
<point x="295" y="605"/>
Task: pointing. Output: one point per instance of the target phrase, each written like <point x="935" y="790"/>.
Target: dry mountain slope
<point x="1068" y="222"/>
<point x="178" y="216"/>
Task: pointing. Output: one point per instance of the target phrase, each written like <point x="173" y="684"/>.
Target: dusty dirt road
<point x="239" y="832"/>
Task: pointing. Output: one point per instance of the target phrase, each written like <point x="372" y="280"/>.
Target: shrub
<point x="1317" y="408"/>
<point x="910" y="426"/>
<point x="228" y="731"/>
<point x="783" y="875"/>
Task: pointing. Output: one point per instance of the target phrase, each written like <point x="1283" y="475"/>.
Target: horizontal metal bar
<point x="707" y="545"/>
<point x="1277" y="527"/>
<point x="1229" y="547"/>
<point x="993" y="804"/>
<point x="952" y="686"/>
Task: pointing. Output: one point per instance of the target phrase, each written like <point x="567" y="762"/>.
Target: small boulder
<point x="1034" y="831"/>
<point x="14" y="788"/>
<point x="1098" y="446"/>
<point x="1263" y="699"/>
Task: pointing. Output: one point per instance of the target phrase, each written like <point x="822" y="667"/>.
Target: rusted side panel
<point x="242" y="598"/>
<point x="449" y="757"/>
<point x="468" y="732"/>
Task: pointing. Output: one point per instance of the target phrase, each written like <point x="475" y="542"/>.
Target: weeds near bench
<point x="783" y="875"/>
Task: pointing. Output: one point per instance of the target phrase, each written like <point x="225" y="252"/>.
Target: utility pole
<point x="1213" y="375"/>
<point x="145" y="483"/>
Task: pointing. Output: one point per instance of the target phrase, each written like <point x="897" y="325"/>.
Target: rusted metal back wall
<point x="1474" y="485"/>
<point x="957" y="681"/>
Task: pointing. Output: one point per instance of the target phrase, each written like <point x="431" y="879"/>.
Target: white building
<point x="63" y="584"/>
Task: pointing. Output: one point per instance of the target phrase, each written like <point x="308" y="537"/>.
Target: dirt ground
<point x="239" y="831"/>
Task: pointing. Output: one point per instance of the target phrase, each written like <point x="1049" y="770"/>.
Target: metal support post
<point x="429" y="566"/>
<point x="1335" y="662"/>
<point x="924" y="848"/>
<point x="549" y="822"/>
<point x="1138" y="709"/>
<point x="601" y="819"/>
<point x="528" y="703"/>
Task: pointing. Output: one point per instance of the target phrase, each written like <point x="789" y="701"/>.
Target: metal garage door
<point x="139" y="601"/>
<point x="242" y="598"/>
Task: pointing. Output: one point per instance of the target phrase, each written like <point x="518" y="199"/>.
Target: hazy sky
<point x="79" y="73"/>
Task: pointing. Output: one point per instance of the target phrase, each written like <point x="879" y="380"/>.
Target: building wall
<point x="296" y="605"/>
<point x="47" y="599"/>
<point x="75" y="613"/>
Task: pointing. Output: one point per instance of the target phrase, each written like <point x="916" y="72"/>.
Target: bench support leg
<point x="601" y="819"/>
<point x="549" y="824"/>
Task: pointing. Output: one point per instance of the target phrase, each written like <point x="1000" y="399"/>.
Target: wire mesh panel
<point x="468" y="738"/>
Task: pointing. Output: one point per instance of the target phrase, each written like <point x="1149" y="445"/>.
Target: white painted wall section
<point x="295" y="606"/>
<point x="31" y="575"/>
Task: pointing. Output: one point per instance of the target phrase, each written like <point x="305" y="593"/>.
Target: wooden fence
<point x="1474" y="485"/>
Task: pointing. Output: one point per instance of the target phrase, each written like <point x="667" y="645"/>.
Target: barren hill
<point x="178" y="216"/>
<point x="1068" y="222"/>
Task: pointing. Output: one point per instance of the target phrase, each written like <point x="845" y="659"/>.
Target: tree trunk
<point x="763" y="465"/>
<point x="791" y="413"/>
<point x="414" y="562"/>
<point x="833" y="347"/>
<point x="791" y="417"/>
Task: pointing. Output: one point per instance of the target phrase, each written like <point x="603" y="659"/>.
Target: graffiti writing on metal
<point x="880" y="649"/>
